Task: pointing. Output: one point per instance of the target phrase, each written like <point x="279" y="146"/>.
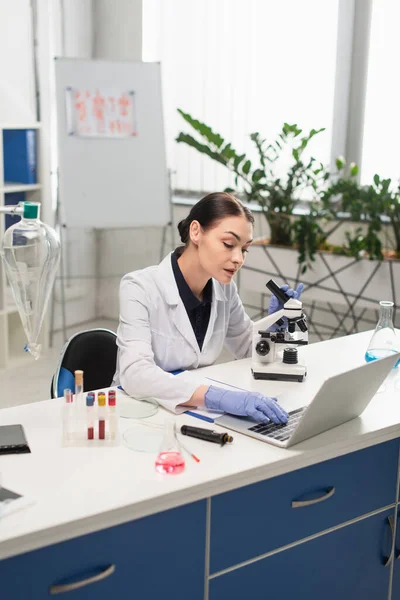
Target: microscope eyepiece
<point x="275" y="289"/>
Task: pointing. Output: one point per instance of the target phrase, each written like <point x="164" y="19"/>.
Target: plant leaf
<point x="185" y="138"/>
<point x="257" y="175"/>
<point x="353" y="169"/>
<point x="203" y="129"/>
<point x="246" y="167"/>
<point x="340" y="162"/>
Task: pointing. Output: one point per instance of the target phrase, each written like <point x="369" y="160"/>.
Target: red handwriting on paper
<point x="98" y="110"/>
<point x="124" y="103"/>
<point x="80" y="106"/>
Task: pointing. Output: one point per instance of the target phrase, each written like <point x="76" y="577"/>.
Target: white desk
<point x="84" y="490"/>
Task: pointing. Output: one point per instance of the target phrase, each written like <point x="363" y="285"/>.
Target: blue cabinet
<point x="19" y="155"/>
<point x="348" y="563"/>
<point x="262" y="517"/>
<point x="161" y="556"/>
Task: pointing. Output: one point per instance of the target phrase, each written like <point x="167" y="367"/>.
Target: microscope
<point x="274" y="353"/>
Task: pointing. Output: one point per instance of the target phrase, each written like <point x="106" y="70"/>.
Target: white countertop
<point x="81" y="490"/>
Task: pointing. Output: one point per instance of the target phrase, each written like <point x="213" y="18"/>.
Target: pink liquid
<point x="170" y="462"/>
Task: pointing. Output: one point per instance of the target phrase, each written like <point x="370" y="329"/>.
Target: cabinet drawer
<point x="260" y="517"/>
<point x="155" y="557"/>
<point x="347" y="563"/>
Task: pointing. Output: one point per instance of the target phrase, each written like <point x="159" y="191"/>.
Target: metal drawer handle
<point x="302" y="503"/>
<point x="389" y="560"/>
<point x="69" y="587"/>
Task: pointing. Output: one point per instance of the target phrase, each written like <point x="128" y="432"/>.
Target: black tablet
<point x="13" y="440"/>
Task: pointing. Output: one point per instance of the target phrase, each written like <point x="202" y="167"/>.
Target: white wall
<point x="72" y="22"/>
<point x="117" y="35"/>
<point x="117" y="29"/>
<point x="76" y="28"/>
<point x="17" y="91"/>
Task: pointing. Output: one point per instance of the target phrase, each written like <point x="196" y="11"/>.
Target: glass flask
<point x="31" y="252"/>
<point x="383" y="342"/>
<point x="170" y="459"/>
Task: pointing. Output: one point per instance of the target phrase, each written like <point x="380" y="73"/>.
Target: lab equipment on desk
<point x="133" y="408"/>
<point x="13" y="440"/>
<point x="339" y="399"/>
<point x="90" y="398"/>
<point x="207" y="435"/>
<point x="170" y="459"/>
<point x="87" y="424"/>
<point x="112" y="413"/>
<point x="69" y="416"/>
<point x="31" y="252"/>
<point x="190" y="453"/>
<point x="384" y="341"/>
<point x="274" y="353"/>
<point x="101" y="399"/>
<point x="78" y="387"/>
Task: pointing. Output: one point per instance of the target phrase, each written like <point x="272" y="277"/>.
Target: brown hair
<point x="210" y="209"/>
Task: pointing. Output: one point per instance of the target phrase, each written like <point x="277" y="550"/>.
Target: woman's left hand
<point x="275" y="304"/>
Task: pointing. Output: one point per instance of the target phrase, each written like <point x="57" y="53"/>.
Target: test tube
<point x="67" y="415"/>
<point x="90" y="415"/>
<point x="101" y="399"/>
<point x="79" y="388"/>
<point x="112" y="413"/>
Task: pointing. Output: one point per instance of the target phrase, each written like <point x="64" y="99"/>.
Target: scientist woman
<point x="179" y="315"/>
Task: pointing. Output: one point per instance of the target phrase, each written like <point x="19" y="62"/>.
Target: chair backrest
<point x="93" y="351"/>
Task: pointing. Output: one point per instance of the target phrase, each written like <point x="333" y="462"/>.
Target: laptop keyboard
<point x="283" y="431"/>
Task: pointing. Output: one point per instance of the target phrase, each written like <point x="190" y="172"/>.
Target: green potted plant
<point x="305" y="237"/>
<point x="259" y="181"/>
<point x="371" y="205"/>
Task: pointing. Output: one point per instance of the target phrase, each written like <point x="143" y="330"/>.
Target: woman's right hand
<point x="248" y="404"/>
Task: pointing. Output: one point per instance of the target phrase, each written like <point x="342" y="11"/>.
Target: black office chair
<point x="93" y="351"/>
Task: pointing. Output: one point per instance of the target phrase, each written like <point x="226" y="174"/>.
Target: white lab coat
<point x="155" y="335"/>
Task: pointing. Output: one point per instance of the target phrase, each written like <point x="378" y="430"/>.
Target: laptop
<point x="339" y="399"/>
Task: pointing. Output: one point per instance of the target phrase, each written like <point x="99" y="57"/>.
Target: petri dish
<point x="143" y="439"/>
<point x="129" y="408"/>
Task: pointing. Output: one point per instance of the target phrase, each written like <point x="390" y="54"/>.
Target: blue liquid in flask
<point x="376" y="353"/>
<point x="384" y="341"/>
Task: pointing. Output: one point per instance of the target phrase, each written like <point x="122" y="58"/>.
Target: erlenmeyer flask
<point x="170" y="459"/>
<point x="31" y="253"/>
<point x="383" y="342"/>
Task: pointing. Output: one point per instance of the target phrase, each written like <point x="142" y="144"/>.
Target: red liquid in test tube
<point x="101" y="399"/>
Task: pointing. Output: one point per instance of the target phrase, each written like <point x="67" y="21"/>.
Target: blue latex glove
<point x="246" y="404"/>
<point x="275" y="304"/>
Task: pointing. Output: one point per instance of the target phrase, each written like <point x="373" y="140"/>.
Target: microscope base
<point x="278" y="376"/>
<point x="279" y="372"/>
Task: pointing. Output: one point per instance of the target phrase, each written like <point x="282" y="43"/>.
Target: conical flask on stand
<point x="31" y="253"/>
<point x="384" y="341"/>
